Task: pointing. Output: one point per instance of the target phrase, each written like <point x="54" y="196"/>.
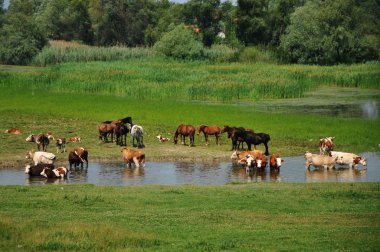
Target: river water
<point x="208" y="173"/>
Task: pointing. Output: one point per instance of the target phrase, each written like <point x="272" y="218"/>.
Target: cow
<point x="60" y="172"/>
<point x="238" y="155"/>
<point x="250" y="163"/>
<point x="13" y="131"/>
<point x="41" y="157"/>
<point x="133" y="156"/>
<point x="275" y="162"/>
<point x="162" y="139"/>
<point x="50" y="136"/>
<point x="35" y="170"/>
<point x="350" y="159"/>
<point x="78" y="156"/>
<point x="316" y="160"/>
<point x="41" y="140"/>
<point x="326" y="145"/>
<point x="74" y="139"/>
<point x="61" y="144"/>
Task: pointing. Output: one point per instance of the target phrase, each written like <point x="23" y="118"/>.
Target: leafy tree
<point x="331" y="31"/>
<point x="205" y="14"/>
<point x="180" y="43"/>
<point x="20" y="37"/>
<point x="252" y="25"/>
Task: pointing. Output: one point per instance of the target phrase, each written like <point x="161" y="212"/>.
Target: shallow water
<point x="210" y="173"/>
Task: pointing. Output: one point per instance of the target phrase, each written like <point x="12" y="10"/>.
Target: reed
<point x="158" y="78"/>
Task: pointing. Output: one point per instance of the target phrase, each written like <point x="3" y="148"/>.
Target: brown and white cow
<point x="133" y="156"/>
<point x="162" y="139"/>
<point x="41" y="157"/>
<point x="13" y="131"/>
<point x="275" y="162"/>
<point x="78" y="156"/>
<point x="350" y="159"/>
<point x="41" y="140"/>
<point x="74" y="139"/>
<point x="316" y="160"/>
<point x="60" y="172"/>
<point x="61" y="144"/>
<point x="35" y="170"/>
<point x="326" y="145"/>
<point x="250" y="163"/>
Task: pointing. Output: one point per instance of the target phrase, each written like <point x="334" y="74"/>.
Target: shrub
<point x="180" y="43"/>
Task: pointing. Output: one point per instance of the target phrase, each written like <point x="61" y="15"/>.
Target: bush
<point x="221" y="53"/>
<point x="256" y="54"/>
<point x="180" y="43"/>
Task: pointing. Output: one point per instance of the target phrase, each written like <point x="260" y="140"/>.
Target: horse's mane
<point x="107" y="122"/>
<point x="126" y="120"/>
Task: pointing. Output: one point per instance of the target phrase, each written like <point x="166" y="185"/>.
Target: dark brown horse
<point x="210" y="130"/>
<point x="121" y="131"/>
<point x="108" y="127"/>
<point x="236" y="132"/>
<point x="184" y="131"/>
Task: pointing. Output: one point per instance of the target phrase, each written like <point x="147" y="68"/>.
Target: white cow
<point x="350" y="159"/>
<point x="316" y="160"/>
<point x="41" y="157"/>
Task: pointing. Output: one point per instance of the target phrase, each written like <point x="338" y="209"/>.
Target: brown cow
<point x="326" y="145"/>
<point x="275" y="162"/>
<point x="13" y="131"/>
<point x="60" y="172"/>
<point x="78" y="156"/>
<point x="133" y="156"/>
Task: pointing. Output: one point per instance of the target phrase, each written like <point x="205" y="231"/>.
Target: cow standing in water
<point x="326" y="145"/>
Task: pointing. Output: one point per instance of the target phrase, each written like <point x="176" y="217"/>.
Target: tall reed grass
<point x="158" y="78"/>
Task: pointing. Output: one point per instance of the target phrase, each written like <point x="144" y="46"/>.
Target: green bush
<point x="180" y="43"/>
<point x="255" y="54"/>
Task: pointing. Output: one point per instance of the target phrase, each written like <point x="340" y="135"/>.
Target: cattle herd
<point x="43" y="162"/>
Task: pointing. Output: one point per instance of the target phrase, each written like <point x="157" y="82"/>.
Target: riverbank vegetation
<point x="260" y="217"/>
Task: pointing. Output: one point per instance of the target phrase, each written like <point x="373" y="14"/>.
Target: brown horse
<point x="210" y="130"/>
<point x="184" y="131"/>
<point x="108" y="127"/>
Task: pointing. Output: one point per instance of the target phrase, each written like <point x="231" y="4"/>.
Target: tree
<point x="20" y="37"/>
<point x="331" y="31"/>
<point x="252" y="25"/>
<point x="205" y="14"/>
<point x="180" y="43"/>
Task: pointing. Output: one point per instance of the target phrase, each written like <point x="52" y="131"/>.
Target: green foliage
<point x="328" y="32"/>
<point x="221" y="53"/>
<point x="256" y="54"/>
<point x="20" y="38"/>
<point x="180" y="43"/>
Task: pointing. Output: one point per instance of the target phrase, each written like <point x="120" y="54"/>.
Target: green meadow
<point x="251" y="217"/>
<point x="71" y="99"/>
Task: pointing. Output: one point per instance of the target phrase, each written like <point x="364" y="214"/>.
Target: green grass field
<point x="253" y="217"/>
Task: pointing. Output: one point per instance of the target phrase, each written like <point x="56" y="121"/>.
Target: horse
<point x="184" y="131"/>
<point x="256" y="139"/>
<point x="108" y="127"/>
<point x="41" y="140"/>
<point x="121" y="131"/>
<point x="237" y="132"/>
<point x="210" y="130"/>
<point x="137" y="133"/>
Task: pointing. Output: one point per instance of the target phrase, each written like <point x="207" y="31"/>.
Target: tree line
<point x="297" y="31"/>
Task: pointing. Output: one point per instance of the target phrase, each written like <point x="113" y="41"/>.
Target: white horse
<point x="137" y="133"/>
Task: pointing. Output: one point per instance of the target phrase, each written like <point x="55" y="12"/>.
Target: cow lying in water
<point x="60" y="172"/>
<point x="316" y="160"/>
<point x="350" y="159"/>
<point x="35" y="170"/>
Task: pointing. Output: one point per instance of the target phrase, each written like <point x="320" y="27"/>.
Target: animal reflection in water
<point x="339" y="174"/>
<point x="131" y="173"/>
<point x="256" y="175"/>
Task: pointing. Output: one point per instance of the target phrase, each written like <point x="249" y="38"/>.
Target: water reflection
<point x="336" y="175"/>
<point x="370" y="109"/>
<point x="208" y="173"/>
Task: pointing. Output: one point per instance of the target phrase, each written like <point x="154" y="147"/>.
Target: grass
<point x="67" y="115"/>
<point x="259" y="217"/>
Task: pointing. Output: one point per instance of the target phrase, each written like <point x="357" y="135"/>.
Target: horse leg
<point x="206" y="137"/>
<point x="217" y="139"/>
<point x="266" y="149"/>
<point x="249" y="145"/>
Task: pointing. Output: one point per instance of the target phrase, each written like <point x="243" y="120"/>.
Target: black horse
<point x="121" y="131"/>
<point x="235" y="133"/>
<point x="256" y="139"/>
